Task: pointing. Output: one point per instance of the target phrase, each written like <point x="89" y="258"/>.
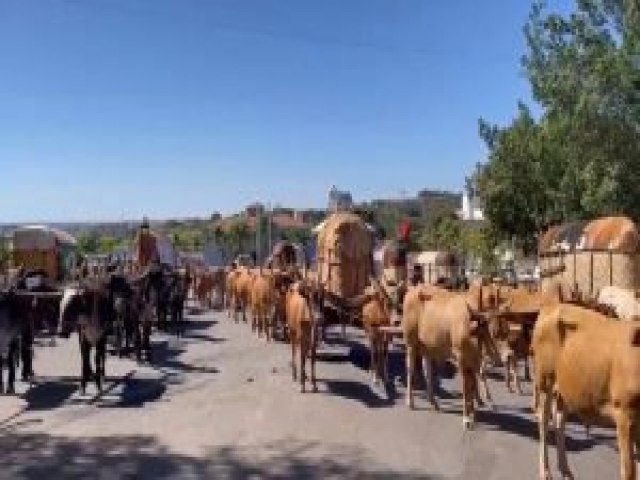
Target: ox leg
<point x="146" y="340"/>
<point x="516" y="378"/>
<point x="410" y="363"/>
<point x="120" y="334"/>
<point x="468" y="394"/>
<point x="544" y="404"/>
<point x="181" y="324"/>
<point x="427" y="368"/>
<point x="303" y="362"/>
<point x="98" y="364"/>
<point x="11" y="367"/>
<point x="625" y="433"/>
<point x="26" y="353"/>
<point x="481" y="379"/>
<point x="560" y="422"/>
<point x="85" y="352"/>
<point x="527" y="370"/>
<point x="314" y="346"/>
<point x="127" y="336"/>
<point x="384" y="360"/>
<point x="293" y="357"/>
<point x="377" y="348"/>
<point x="372" y="356"/>
<point x="137" y="340"/>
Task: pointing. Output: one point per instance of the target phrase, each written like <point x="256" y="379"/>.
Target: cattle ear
<point x="635" y="339"/>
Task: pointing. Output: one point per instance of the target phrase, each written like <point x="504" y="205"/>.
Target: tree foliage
<point x="580" y="159"/>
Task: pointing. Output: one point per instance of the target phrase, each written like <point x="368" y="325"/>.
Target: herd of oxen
<point x="123" y="308"/>
<point x="582" y="357"/>
<point x="585" y="352"/>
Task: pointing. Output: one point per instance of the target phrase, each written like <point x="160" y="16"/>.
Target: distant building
<point x="254" y="210"/>
<point x="471" y="210"/>
<point x="339" y="201"/>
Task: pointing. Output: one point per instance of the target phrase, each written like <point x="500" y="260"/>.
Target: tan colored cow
<point x="376" y="313"/>
<point x="262" y="298"/>
<point x="302" y="331"/>
<point x="440" y="325"/>
<point x="230" y="294"/>
<point x="590" y="365"/>
<point x="242" y="292"/>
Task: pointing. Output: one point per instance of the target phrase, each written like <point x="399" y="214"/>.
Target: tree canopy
<point x="581" y="157"/>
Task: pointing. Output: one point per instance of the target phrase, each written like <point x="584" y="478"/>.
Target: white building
<point x="471" y="209"/>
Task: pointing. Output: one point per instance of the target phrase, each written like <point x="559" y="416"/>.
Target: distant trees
<point x="89" y="243"/>
<point x="580" y="158"/>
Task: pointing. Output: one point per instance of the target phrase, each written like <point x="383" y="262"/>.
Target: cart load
<point x="344" y="255"/>
<point x="591" y="255"/>
<point x="41" y="248"/>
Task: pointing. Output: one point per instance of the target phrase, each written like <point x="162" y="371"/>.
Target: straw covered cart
<point x="49" y="250"/>
<point x="344" y="264"/>
<point x="587" y="256"/>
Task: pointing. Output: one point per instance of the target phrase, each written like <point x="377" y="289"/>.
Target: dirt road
<point x="221" y="404"/>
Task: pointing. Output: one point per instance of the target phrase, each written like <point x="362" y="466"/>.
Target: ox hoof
<point x="467" y="423"/>
<point x="567" y="475"/>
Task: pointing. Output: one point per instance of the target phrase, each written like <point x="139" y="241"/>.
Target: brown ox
<point x="230" y="294"/>
<point x="262" y="297"/>
<point x="377" y="312"/>
<point x="439" y="325"/>
<point x="242" y="292"/>
<point x="591" y="364"/>
<point x="511" y="329"/>
<point x="301" y="315"/>
<point x="203" y="288"/>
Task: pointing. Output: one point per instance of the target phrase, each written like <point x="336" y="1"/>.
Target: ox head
<point x="84" y="305"/>
<point x="482" y="324"/>
<point x="314" y="292"/>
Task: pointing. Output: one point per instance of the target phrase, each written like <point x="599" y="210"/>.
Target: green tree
<point x="238" y="236"/>
<point x="88" y="243"/>
<point x="579" y="159"/>
<point x="443" y="234"/>
<point x="107" y="244"/>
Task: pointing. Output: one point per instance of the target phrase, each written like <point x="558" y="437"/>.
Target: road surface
<point x="220" y="403"/>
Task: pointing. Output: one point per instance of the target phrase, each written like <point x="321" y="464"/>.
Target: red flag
<point x="404" y="230"/>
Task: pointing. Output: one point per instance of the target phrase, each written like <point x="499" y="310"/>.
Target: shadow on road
<point x="359" y="392"/>
<point x="50" y="394"/>
<point x="527" y="427"/>
<point x="203" y="338"/>
<point x="166" y="358"/>
<point x="36" y="456"/>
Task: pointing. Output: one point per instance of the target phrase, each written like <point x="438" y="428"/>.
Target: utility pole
<point x="269" y="228"/>
<point x="258" y="225"/>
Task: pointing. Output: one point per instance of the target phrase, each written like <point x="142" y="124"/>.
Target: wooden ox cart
<point x="344" y="265"/>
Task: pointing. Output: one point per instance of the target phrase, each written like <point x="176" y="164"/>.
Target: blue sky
<point x="113" y="109"/>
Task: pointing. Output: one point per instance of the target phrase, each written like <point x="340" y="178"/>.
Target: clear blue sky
<point x="119" y="108"/>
